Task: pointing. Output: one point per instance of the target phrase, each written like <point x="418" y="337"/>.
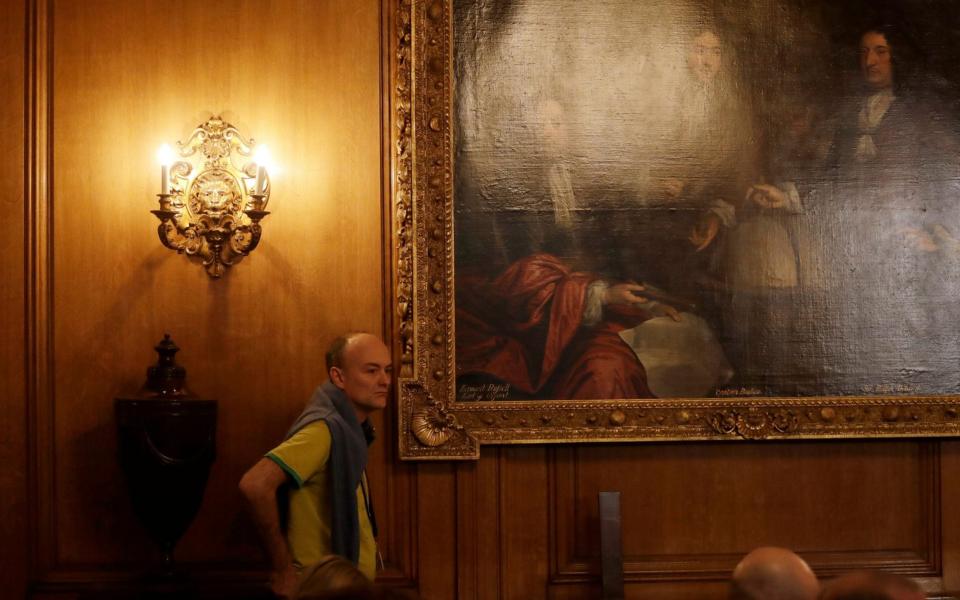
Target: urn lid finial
<point x="166" y="378"/>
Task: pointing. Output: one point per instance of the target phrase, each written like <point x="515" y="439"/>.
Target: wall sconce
<point x="214" y="191"/>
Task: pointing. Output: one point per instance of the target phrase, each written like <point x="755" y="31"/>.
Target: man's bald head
<point x="337" y="350"/>
<point x="770" y="573"/>
<point x="361" y="366"/>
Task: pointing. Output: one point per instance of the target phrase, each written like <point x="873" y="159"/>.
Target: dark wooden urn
<point x="167" y="442"/>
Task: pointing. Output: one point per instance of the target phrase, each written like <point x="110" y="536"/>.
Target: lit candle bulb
<point x="262" y="158"/>
<point x="164" y="157"/>
<point x="261" y="177"/>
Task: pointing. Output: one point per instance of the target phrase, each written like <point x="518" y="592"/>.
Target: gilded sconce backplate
<point x="213" y="198"/>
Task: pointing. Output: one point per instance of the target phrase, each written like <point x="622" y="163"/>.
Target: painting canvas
<point x="660" y="199"/>
<point x="675" y="199"/>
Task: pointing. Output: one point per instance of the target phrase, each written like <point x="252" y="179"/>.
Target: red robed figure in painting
<point x="551" y="332"/>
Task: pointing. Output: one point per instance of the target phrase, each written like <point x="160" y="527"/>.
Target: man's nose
<point x="871" y="58"/>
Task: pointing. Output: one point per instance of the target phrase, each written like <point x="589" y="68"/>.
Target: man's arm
<point x="259" y="486"/>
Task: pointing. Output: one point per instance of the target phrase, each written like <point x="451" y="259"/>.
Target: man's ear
<point x="336" y="376"/>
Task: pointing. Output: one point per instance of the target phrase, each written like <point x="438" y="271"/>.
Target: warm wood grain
<point x="691" y="511"/>
<point x="437" y="534"/>
<point x="14" y="548"/>
<point x="528" y="526"/>
<point x="950" y="491"/>
<point x="303" y="77"/>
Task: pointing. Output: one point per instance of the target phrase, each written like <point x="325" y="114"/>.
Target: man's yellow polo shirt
<point x="304" y="457"/>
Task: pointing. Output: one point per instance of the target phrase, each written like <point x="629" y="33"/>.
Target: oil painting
<point x="743" y="205"/>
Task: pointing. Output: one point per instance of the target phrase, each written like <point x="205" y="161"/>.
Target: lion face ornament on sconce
<point x="214" y="192"/>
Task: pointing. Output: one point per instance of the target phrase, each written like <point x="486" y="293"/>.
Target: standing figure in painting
<point x="708" y="162"/>
<point x="552" y="226"/>
<point x="547" y="326"/>
<point x="872" y="280"/>
<point x="895" y="188"/>
<point x="710" y="159"/>
<point x="768" y="265"/>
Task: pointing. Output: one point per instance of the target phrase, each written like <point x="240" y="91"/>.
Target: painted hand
<point x="632" y="294"/>
<point x="945" y="238"/>
<point x="767" y="196"/>
<point x="665" y="310"/>
<point x="672" y="187"/>
<point x="624" y="293"/>
<point x="918" y="239"/>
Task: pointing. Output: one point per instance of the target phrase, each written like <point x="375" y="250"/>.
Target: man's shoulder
<point x="314" y="429"/>
<point x="311" y="437"/>
<point x="304" y="453"/>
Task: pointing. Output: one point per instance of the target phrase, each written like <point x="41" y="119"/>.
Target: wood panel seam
<point x="39" y="257"/>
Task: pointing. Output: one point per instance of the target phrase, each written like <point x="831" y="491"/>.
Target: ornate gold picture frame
<point x="420" y="148"/>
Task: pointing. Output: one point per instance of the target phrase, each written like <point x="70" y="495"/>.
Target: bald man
<point x="322" y="462"/>
<point x="872" y="584"/>
<point x="770" y="573"/>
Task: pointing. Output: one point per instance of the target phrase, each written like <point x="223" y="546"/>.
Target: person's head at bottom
<point x="363" y="593"/>
<point x="770" y="573"/>
<point x="332" y="572"/>
<point x="872" y="585"/>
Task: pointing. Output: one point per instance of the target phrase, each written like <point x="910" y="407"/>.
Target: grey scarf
<point x="348" y="459"/>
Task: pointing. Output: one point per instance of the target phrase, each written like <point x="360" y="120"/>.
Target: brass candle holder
<point x="213" y="197"/>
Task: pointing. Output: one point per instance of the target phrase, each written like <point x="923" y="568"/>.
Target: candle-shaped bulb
<point x="261" y="157"/>
<point x="165" y="158"/>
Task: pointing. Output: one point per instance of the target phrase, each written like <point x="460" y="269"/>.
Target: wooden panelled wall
<point x="92" y="88"/>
